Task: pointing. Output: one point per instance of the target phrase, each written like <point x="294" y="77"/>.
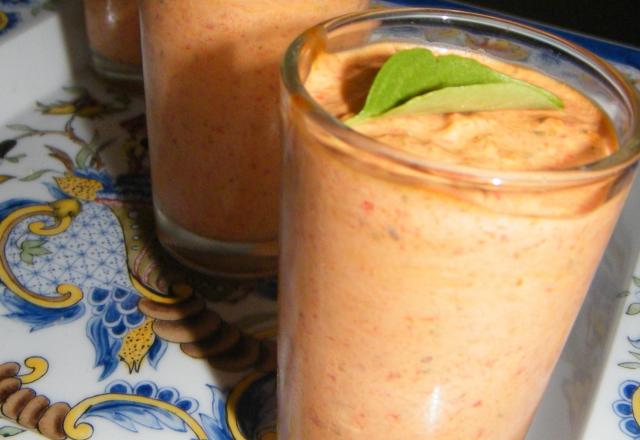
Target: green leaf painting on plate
<point x="10" y="431"/>
<point x="32" y="248"/>
<point x="633" y="309"/>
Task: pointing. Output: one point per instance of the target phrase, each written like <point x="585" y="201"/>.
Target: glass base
<point x="114" y="70"/>
<point x="214" y="257"/>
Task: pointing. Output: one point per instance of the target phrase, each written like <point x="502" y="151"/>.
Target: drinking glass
<point x="211" y="83"/>
<point x="426" y="300"/>
<point x="113" y="30"/>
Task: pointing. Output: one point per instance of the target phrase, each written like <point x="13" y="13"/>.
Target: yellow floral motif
<point x="39" y="367"/>
<point x="91" y="111"/>
<point x="232" y="402"/>
<point x="4" y="20"/>
<point x="635" y="404"/>
<point x="63" y="109"/>
<point x="66" y="208"/>
<point x="84" y="106"/>
<point x="133" y="148"/>
<point x="180" y="292"/>
<point x="79" y="187"/>
<point x="63" y="212"/>
<point x="136" y="345"/>
<point x="77" y="430"/>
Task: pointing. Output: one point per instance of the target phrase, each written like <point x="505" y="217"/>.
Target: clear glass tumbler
<point x="113" y="30"/>
<point x="421" y="300"/>
<point x="212" y="85"/>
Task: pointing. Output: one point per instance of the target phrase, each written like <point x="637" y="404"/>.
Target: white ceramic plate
<point x="73" y="156"/>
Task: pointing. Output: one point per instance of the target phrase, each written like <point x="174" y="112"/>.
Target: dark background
<point x="617" y="20"/>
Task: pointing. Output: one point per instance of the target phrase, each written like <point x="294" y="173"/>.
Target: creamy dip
<point x="503" y="140"/>
<point x="212" y="87"/>
<point x="416" y="308"/>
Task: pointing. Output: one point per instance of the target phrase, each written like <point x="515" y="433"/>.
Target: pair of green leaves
<point x="29" y="249"/>
<point x="417" y="81"/>
<point x="10" y="431"/>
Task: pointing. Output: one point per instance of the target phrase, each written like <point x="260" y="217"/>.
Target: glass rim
<point x="624" y="157"/>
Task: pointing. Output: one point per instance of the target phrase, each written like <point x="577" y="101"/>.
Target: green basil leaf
<point x="478" y="97"/>
<point x="404" y="75"/>
<point x="418" y="72"/>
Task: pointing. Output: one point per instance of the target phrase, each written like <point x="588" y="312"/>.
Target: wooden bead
<point x="16" y="402"/>
<point x="51" y="423"/>
<point x="33" y="412"/>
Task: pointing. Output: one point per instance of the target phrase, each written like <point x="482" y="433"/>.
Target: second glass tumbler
<point x="211" y="83"/>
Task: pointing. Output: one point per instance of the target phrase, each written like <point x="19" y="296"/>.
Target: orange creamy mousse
<point x="113" y="29"/>
<point x="415" y="306"/>
<point x="211" y="80"/>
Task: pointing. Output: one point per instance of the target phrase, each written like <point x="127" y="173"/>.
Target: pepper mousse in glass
<point x="113" y="29"/>
<point x="432" y="264"/>
<point x="211" y="82"/>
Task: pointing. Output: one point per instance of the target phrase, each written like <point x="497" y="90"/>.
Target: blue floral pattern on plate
<point x="85" y="259"/>
<point x="102" y="255"/>
<point x="16" y="13"/>
<point x="624" y="409"/>
<point x="8" y="21"/>
<point x="17" y="2"/>
<point x="129" y="414"/>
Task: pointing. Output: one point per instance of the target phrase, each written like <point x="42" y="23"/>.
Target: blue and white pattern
<point x="17" y="2"/>
<point x="115" y="314"/>
<point x="216" y="425"/>
<point x="131" y="415"/>
<point x="93" y="251"/>
<point x="624" y="409"/>
<point x="35" y="275"/>
<point x="88" y="255"/>
<point x="10" y="431"/>
<point x="256" y="410"/>
<point x="126" y="187"/>
<point x="134" y="413"/>
<point x="91" y="255"/>
<point x="8" y="21"/>
<point x="16" y="13"/>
